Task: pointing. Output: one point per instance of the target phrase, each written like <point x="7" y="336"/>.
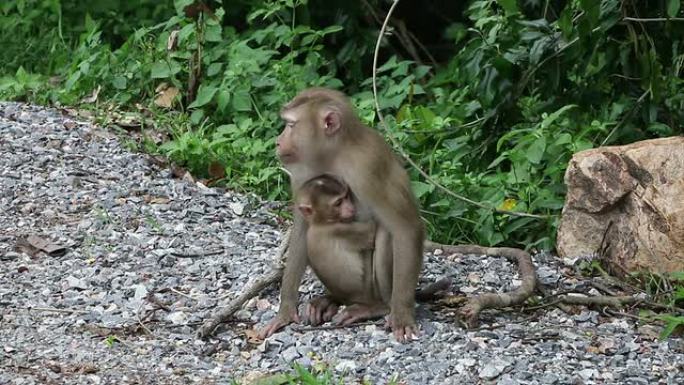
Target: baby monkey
<point x="350" y="255"/>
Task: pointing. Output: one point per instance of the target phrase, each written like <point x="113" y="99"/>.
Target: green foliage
<point x="300" y="375"/>
<point x="674" y="321"/>
<point x="668" y="292"/>
<point x="111" y="340"/>
<point x="529" y="83"/>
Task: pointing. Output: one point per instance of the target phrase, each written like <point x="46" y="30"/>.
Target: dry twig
<point x="209" y="326"/>
<point x="599" y="300"/>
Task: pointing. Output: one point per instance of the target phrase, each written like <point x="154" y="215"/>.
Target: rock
<point x="346" y="366"/>
<point x="76" y="283"/>
<point x="626" y="201"/>
<point x="492" y="370"/>
<point x="178" y="318"/>
<point x="290" y="354"/>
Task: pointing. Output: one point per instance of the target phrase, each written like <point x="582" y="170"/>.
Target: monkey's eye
<point x="338" y="203"/>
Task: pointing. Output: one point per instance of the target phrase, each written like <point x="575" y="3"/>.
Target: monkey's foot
<point x="319" y="310"/>
<point x="403" y="326"/>
<point x="359" y="312"/>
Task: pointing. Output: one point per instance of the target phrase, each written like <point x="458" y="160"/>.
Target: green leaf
<point x="242" y="101"/>
<point x="673" y="7"/>
<point x="308" y="39"/>
<point x="277" y="379"/>
<point x="181" y="4"/>
<point x="222" y="99"/>
<point x="679" y="294"/>
<point x="204" y="96"/>
<point x="510" y="6"/>
<point x="72" y="80"/>
<point x="214" y="68"/>
<point x="22" y="75"/>
<point x="536" y="151"/>
<point x="420" y="188"/>
<point x="119" y="82"/>
<point x="185" y="32"/>
<point x="592" y="8"/>
<point x="565" y="22"/>
<point x="660" y="129"/>
<point x="563" y="138"/>
<point x="672" y="323"/>
<point x="212" y="33"/>
<point x="163" y="69"/>
<point x="196" y="116"/>
<point x="331" y="29"/>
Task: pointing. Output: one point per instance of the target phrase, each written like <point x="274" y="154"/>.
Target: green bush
<point x="528" y="84"/>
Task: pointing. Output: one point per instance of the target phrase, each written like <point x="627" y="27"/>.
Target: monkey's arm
<point x="361" y="233"/>
<point x="295" y="264"/>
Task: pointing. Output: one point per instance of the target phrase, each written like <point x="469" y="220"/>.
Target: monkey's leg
<point x="360" y="312"/>
<point x="320" y="310"/>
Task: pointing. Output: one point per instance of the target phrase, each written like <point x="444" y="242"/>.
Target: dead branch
<point x="433" y="291"/>
<point x="547" y="294"/>
<point x="599" y="300"/>
<point x="222" y="315"/>
<point x="302" y="329"/>
<point x="471" y="310"/>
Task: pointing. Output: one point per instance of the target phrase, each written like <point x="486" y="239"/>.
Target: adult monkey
<point x="322" y="134"/>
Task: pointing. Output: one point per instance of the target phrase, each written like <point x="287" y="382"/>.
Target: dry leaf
<point x="172" y="42"/>
<point x="607" y="346"/>
<point x="55" y="80"/>
<point x="474" y="277"/>
<point x="166" y="96"/>
<point x="127" y="120"/>
<point x="159" y="200"/>
<point x="217" y="170"/>
<point x="252" y="336"/>
<point x="44" y="245"/>
<point x="263" y="304"/>
<point x="93" y="96"/>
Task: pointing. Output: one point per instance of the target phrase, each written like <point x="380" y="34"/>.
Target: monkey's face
<point x="343" y="208"/>
<point x="286" y="142"/>
<point x="307" y="135"/>
<point x="326" y="209"/>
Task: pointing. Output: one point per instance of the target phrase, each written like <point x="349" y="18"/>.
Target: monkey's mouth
<point x="287" y="157"/>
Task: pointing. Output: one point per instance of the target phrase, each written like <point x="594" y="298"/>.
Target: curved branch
<point x="471" y="310"/>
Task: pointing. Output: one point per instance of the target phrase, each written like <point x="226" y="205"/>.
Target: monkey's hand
<point x="281" y="320"/>
<point x="403" y="325"/>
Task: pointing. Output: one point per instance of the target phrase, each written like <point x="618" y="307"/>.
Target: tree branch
<point x="222" y="315"/>
<point x="473" y="306"/>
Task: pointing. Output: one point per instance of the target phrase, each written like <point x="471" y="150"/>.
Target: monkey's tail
<point x="433" y="291"/>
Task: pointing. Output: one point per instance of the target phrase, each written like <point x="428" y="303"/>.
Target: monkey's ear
<point x="306" y="210"/>
<point x="332" y="122"/>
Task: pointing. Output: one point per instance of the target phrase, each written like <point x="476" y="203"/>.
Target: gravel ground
<point x="132" y="260"/>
